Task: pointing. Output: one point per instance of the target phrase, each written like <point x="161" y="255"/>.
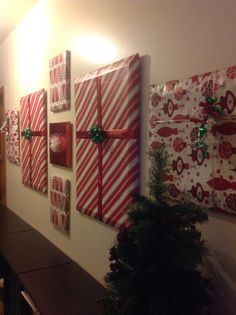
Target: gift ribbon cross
<point x="107" y="134"/>
<point x="40" y="133"/>
<point x="28" y="134"/>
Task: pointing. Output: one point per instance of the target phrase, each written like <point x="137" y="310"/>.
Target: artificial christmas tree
<point x="154" y="261"/>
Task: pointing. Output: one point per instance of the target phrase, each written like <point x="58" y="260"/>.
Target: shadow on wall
<point x="222" y="271"/>
<point x="145" y="62"/>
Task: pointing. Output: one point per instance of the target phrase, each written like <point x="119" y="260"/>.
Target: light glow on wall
<point x="31" y="37"/>
<point x="95" y="49"/>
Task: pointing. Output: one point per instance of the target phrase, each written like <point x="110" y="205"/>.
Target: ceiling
<point x="11" y="13"/>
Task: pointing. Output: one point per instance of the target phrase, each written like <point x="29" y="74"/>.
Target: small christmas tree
<point x="154" y="261"/>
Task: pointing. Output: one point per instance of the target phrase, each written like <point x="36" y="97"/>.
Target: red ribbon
<point x="109" y="134"/>
<point x="40" y="133"/>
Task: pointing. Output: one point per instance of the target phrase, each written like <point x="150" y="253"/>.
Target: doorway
<point x="2" y="151"/>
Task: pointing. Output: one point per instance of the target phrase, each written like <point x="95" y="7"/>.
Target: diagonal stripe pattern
<point x="107" y="173"/>
<point x="34" y="151"/>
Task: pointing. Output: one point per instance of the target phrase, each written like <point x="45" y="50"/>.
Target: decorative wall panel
<point x="195" y="119"/>
<point x="34" y="140"/>
<point x="107" y="149"/>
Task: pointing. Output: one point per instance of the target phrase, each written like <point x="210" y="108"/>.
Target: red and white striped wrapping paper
<point x="60" y="203"/>
<point x="108" y="173"/>
<point x="13" y="136"/>
<point x="34" y="151"/>
<point x="59" y="72"/>
<point x="174" y="118"/>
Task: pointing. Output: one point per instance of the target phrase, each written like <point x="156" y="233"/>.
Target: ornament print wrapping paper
<point x="34" y="140"/>
<point x="13" y="136"/>
<point x="176" y="112"/>
<point x="107" y="150"/>
<point x="59" y="73"/>
<point x="60" y="203"/>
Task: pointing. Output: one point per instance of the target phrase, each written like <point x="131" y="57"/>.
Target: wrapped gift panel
<point x="34" y="150"/>
<point x="13" y="136"/>
<point x="59" y="72"/>
<point x="108" y="172"/>
<point x="60" y="203"/>
<point x="60" y="143"/>
<point x="189" y="169"/>
<point x="175" y="115"/>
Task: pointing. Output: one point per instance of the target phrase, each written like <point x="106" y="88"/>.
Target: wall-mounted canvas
<point x="59" y="73"/>
<point x="13" y="136"/>
<point x="176" y="118"/>
<point x="60" y="143"/>
<point x="107" y="146"/>
<point x="33" y="122"/>
<point x="60" y="203"/>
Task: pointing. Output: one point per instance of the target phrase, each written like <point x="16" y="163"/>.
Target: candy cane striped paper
<point x="108" y="173"/>
<point x="60" y="203"/>
<point x="59" y="72"/>
<point x="34" y="151"/>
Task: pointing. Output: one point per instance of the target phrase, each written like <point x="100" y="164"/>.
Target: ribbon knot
<point x="97" y="135"/>
<point x="27" y="133"/>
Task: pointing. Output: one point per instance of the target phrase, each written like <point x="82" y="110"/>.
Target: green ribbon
<point x="200" y="144"/>
<point x="205" y="152"/>
<point x="97" y="135"/>
<point x="212" y="109"/>
<point x="211" y="100"/>
<point x="202" y="131"/>
<point x="27" y="133"/>
<point x="218" y="109"/>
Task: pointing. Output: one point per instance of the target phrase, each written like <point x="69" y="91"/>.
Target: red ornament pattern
<point x="13" y="136"/>
<point x="194" y="134"/>
<point x="173" y="191"/>
<point x="170" y="85"/>
<point x="226" y="128"/>
<point x="207" y="89"/>
<point x="155" y="99"/>
<point x="228" y="102"/>
<point x="231" y="72"/>
<point x="179" y="93"/>
<point x="230" y="201"/>
<point x="167" y="131"/>
<point x="156" y="145"/>
<point x="179" y="144"/>
<point x="205" y="180"/>
<point x="153" y="121"/>
<point x="226" y="150"/>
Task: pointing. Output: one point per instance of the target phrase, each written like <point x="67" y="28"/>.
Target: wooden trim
<point x="2" y="152"/>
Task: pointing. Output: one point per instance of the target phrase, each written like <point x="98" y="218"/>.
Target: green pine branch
<point x="159" y="160"/>
<point x="153" y="269"/>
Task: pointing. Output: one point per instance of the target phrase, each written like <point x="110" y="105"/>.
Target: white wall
<point x="175" y="38"/>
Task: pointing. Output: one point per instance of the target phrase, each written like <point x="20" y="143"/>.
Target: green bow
<point x="211" y="100"/>
<point x="97" y="134"/>
<point x="27" y="133"/>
